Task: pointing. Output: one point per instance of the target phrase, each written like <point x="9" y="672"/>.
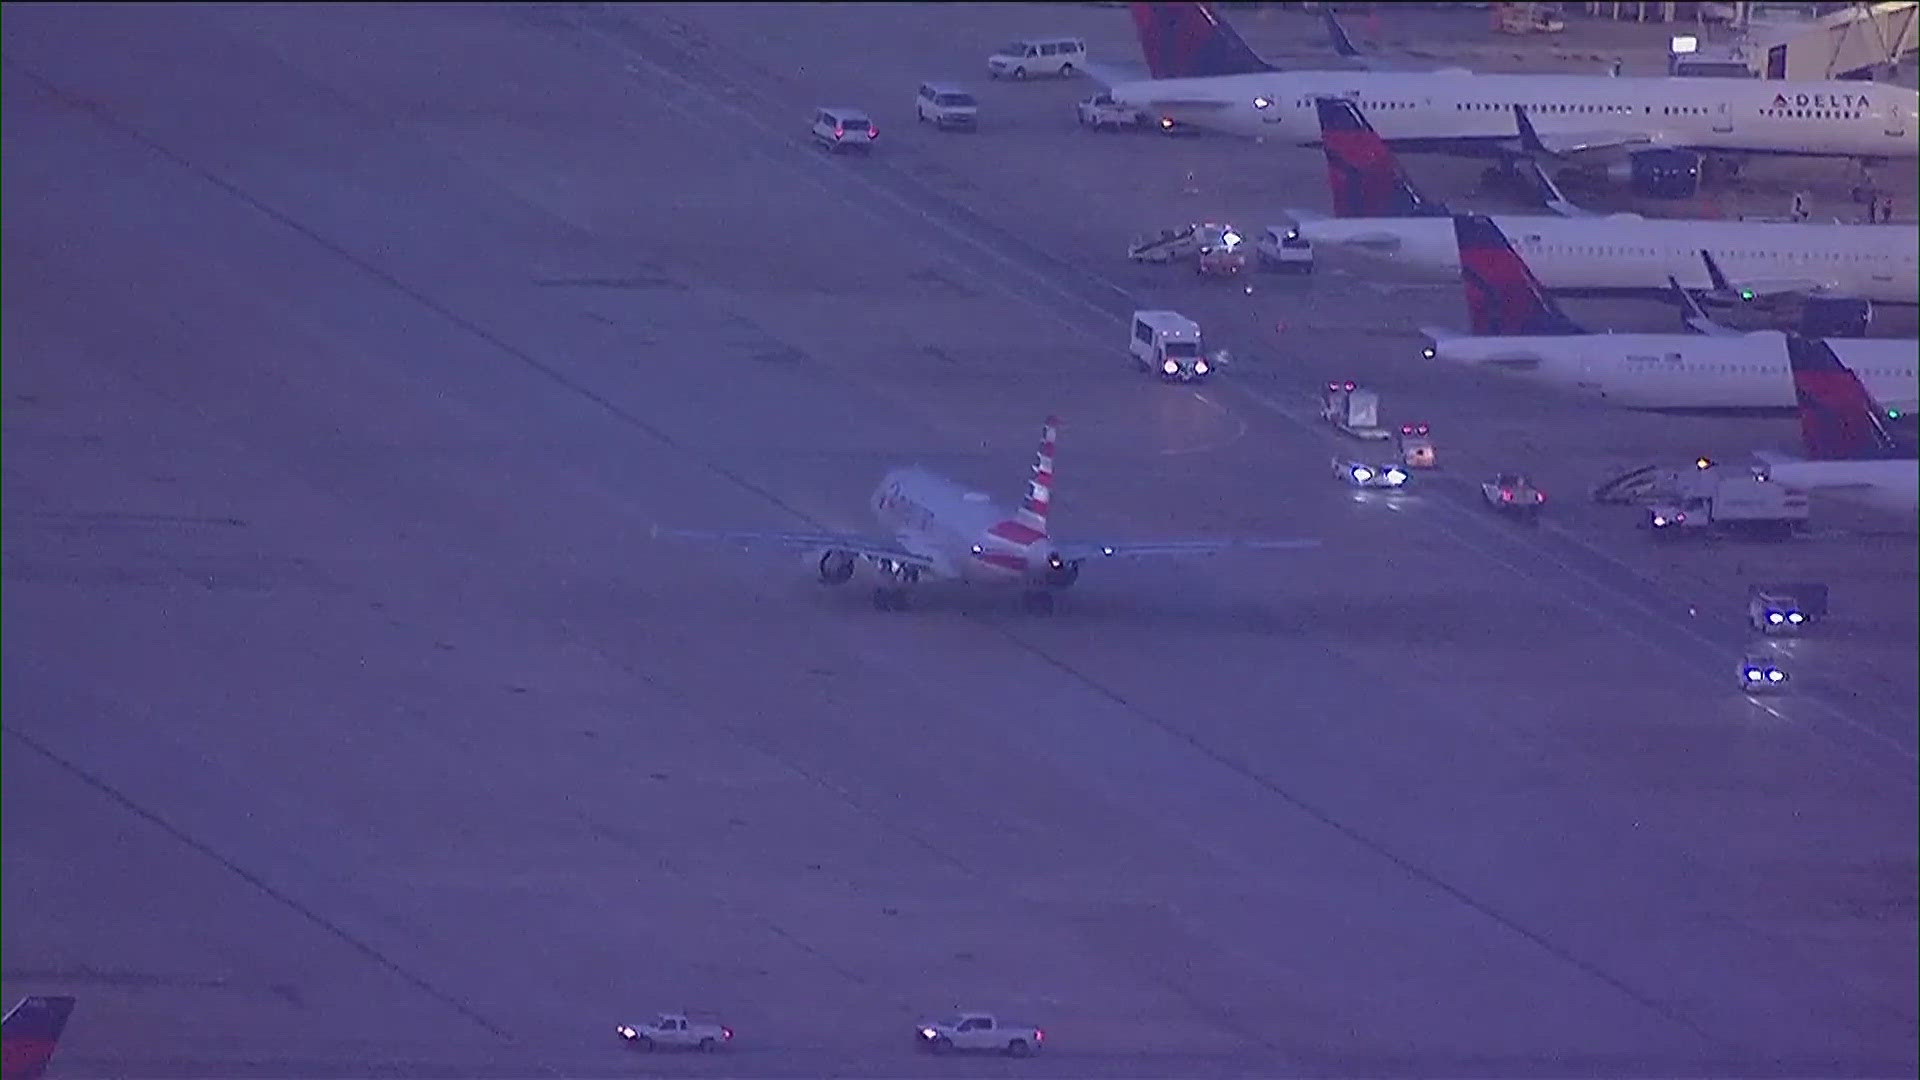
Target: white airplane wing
<point x="1748" y="289"/>
<point x="1149" y="549"/>
<point x="872" y="547"/>
<point x="1566" y="144"/>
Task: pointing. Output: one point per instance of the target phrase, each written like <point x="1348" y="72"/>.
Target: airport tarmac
<point x="356" y="726"/>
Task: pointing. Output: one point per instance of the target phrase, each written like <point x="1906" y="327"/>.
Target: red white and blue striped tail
<point x="1030" y="523"/>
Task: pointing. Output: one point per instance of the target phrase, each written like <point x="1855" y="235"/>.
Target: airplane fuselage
<point x="965" y="533"/>
<point x="1888" y="485"/>
<point x="1453" y="110"/>
<point x="1629" y="255"/>
<point x="1685" y="371"/>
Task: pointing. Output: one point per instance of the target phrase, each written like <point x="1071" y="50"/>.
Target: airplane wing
<point x="1343" y="45"/>
<point x="1151" y="549"/>
<point x="1566" y="144"/>
<point x="872" y="547"/>
<point x="1751" y="289"/>
<point x="1694" y="316"/>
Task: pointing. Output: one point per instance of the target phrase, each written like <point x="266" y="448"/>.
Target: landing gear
<point x="890" y="598"/>
<point x="1036" y="602"/>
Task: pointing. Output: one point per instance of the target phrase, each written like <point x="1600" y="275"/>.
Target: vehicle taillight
<point x="873" y="133"/>
<point x="1506" y="496"/>
<point x="1039" y="1036"/>
<point x="726" y="1033"/>
<point x="839" y="133"/>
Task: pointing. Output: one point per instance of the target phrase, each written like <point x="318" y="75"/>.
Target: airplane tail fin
<point x="1031" y="519"/>
<point x="1503" y="296"/>
<point x="30" y="1032"/>
<point x="1185" y="41"/>
<point x="1366" y="178"/>
<point x="1838" y="418"/>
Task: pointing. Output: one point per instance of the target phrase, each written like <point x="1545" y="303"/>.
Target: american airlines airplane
<point x="1380" y="216"/>
<point x="1518" y="328"/>
<point x="1205" y="75"/>
<point x="1854" y="456"/>
<point x="939" y="529"/>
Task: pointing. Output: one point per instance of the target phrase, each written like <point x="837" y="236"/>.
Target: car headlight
<point x="1753" y="674"/>
<point x="928" y="1033"/>
<point x="1796" y="618"/>
<point x="1200" y="367"/>
<point x="1659" y="521"/>
<point x="1776" y="675"/>
<point x="1396" y="476"/>
<point x="1775" y="617"/>
<point x="625" y="1031"/>
<point x="1429" y="353"/>
<point x="1361" y="474"/>
<point x="1169" y="367"/>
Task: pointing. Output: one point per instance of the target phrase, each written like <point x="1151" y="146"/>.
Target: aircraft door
<point x="1896" y="120"/>
<point x="1723" y="119"/>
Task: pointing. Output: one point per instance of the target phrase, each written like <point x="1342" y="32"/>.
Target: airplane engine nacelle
<point x="835" y="567"/>
<point x="1063" y="575"/>
<point x="1665" y="173"/>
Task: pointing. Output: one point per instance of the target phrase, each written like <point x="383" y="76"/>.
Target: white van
<point x="1168" y="343"/>
<point x="1062" y="56"/>
<point x="944" y="105"/>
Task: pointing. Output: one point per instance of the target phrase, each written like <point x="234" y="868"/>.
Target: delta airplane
<point x="29" y="1035"/>
<point x="936" y="528"/>
<point x="1205" y="75"/>
<point x="1854" y="456"/>
<point x="1382" y="217"/>
<point x="1517" y="327"/>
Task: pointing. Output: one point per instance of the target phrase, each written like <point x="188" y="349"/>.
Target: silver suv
<point x="945" y="105"/>
<point x="844" y="129"/>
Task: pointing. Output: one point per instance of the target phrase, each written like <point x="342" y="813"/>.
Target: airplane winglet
<point x="1719" y="280"/>
<point x="1342" y="44"/>
<point x="1693" y="315"/>
<point x="1529" y="138"/>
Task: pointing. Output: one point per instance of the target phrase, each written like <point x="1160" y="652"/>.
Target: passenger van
<point x="1168" y="343"/>
<point x="1039" y="56"/>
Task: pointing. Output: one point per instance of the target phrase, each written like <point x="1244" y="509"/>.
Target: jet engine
<point x="1664" y="173"/>
<point x="835" y="567"/>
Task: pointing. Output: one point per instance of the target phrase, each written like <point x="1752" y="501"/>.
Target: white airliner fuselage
<point x="963" y="533"/>
<point x="1627" y="254"/>
<point x="1571" y="113"/>
<point x="1887" y="485"/>
<point x="1683" y="371"/>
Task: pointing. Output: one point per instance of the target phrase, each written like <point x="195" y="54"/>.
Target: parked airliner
<point x="1381" y="216"/>
<point x="1206" y="76"/>
<point x="1517" y="327"/>
<point x="1854" y="456"/>
<point x="939" y="529"/>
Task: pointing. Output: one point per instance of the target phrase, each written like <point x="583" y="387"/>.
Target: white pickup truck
<point x="1102" y="113"/>
<point x="977" y="1031"/>
<point x="676" y="1030"/>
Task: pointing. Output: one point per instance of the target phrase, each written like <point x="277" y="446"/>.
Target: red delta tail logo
<point x="30" y="1033"/>
<point x="1186" y="41"/>
<point x="1503" y="297"/>
<point x="1365" y="177"/>
<point x="1029" y="525"/>
<point x="1839" y="420"/>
